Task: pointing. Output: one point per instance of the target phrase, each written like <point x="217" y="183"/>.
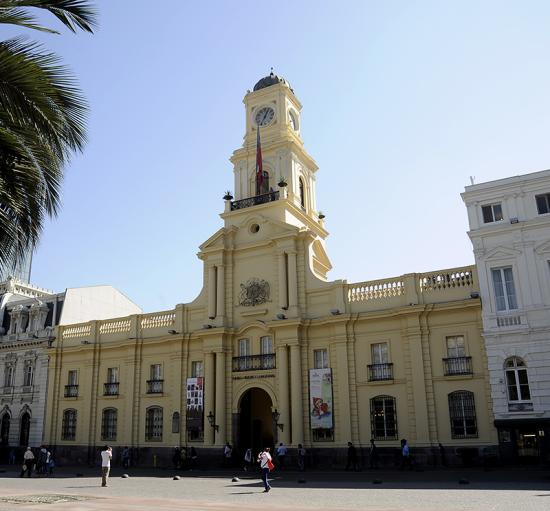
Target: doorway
<point x="5" y="429"/>
<point x="255" y="421"/>
<point x="24" y="430"/>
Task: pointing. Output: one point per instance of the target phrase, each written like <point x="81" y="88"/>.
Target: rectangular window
<point x="112" y="375"/>
<point x="505" y="291"/>
<point x="9" y="374"/>
<point x="29" y="374"/>
<point x="266" y="345"/>
<point x="543" y="203"/>
<point x="323" y="435"/>
<point x="197" y="369"/>
<point x="491" y="213"/>
<point x="455" y="346"/>
<point x="156" y="372"/>
<point x="72" y="377"/>
<point x="320" y="359"/>
<point x="462" y="412"/>
<point x="380" y="353"/>
<point x="244" y="347"/>
<point x="68" y="426"/>
<point x="383" y="418"/>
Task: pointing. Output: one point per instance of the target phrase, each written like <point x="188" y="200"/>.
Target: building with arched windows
<point x="510" y="232"/>
<point x="272" y="350"/>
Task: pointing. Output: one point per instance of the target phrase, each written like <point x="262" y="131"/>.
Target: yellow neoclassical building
<point x="271" y="350"/>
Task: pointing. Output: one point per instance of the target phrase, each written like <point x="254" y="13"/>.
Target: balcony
<point x="380" y="372"/>
<point x="155" y="386"/>
<point x="254" y="362"/>
<point x="457" y="366"/>
<point x="110" y="389"/>
<point x="254" y="201"/>
<point x="71" y="390"/>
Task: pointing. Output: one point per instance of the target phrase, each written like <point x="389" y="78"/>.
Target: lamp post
<point x="212" y="421"/>
<point x="275" y="415"/>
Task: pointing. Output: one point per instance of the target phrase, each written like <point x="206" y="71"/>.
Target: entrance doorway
<point x="25" y="428"/>
<point x="255" y="421"/>
<point x="5" y="429"/>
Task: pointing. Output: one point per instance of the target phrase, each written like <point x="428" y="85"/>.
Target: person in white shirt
<point x="28" y="462"/>
<point x="106" y="456"/>
<point x="265" y="458"/>
<point x="247" y="458"/>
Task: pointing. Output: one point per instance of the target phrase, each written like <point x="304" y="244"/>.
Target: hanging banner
<point x="195" y="396"/>
<point x="320" y="398"/>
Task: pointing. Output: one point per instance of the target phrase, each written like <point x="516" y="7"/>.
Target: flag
<point x="259" y="166"/>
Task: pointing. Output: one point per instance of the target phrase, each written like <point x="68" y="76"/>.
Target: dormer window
<point x="543" y="203"/>
<point x="492" y="213"/>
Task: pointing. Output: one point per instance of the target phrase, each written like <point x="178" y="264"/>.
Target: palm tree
<point x="42" y="123"/>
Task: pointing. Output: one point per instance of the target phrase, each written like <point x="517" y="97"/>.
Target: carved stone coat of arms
<point x="254" y="292"/>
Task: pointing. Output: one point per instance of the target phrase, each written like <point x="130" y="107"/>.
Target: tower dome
<point x="271" y="79"/>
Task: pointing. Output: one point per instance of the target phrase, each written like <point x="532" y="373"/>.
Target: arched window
<point x="302" y="193"/>
<point x="109" y="424"/>
<point x="261" y="185"/>
<point x="383" y="418"/>
<point x="5" y="429"/>
<point x="176" y="422"/>
<point x="24" y="429"/>
<point x="462" y="412"/>
<point x="153" y="424"/>
<point x="516" y="380"/>
<point x="68" y="428"/>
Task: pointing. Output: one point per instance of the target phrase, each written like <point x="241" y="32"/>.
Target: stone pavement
<point x="146" y="490"/>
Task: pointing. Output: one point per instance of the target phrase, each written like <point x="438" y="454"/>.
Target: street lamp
<point x="275" y="415"/>
<point x="212" y="421"/>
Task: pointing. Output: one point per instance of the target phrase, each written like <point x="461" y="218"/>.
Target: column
<point x="292" y="283"/>
<point x="220" y="301"/>
<point x="220" y="398"/>
<point x="284" y="404"/>
<point x="296" y="395"/>
<point x="212" y="292"/>
<point x="342" y="407"/>
<point x="208" y="397"/>
<point x="283" y="304"/>
<point x="419" y="389"/>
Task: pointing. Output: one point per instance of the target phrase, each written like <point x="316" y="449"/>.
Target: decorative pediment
<point x="502" y="253"/>
<point x="543" y="248"/>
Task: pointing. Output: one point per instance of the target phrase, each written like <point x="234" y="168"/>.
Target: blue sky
<point x="403" y="101"/>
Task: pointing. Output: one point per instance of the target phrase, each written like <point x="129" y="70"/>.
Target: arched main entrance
<point x="24" y="429"/>
<point x="255" y="424"/>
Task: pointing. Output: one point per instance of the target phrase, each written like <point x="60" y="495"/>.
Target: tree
<point x="42" y="123"/>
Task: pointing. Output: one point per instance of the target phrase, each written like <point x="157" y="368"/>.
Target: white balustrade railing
<point x="512" y="320"/>
<point x="446" y="279"/>
<point x="77" y="331"/>
<point x="158" y="320"/>
<point x="376" y="290"/>
<point x="115" y="326"/>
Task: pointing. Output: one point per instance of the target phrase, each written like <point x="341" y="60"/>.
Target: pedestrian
<point x="28" y="462"/>
<point x="405" y="455"/>
<point x="126" y="457"/>
<point x="176" y="457"/>
<point x="281" y="455"/>
<point x="194" y="458"/>
<point x="248" y="458"/>
<point x="301" y="458"/>
<point x="106" y="455"/>
<point x="227" y="453"/>
<point x="352" y="463"/>
<point x="266" y="464"/>
<point x="41" y="465"/>
<point x="51" y="465"/>
<point x="11" y="459"/>
<point x="373" y="455"/>
<point x="442" y="455"/>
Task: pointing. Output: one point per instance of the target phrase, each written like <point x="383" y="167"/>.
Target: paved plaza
<point x="501" y="490"/>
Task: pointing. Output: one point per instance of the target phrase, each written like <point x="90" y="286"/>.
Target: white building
<point x="510" y="232"/>
<point x="28" y="316"/>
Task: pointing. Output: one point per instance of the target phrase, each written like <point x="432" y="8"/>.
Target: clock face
<point x="264" y="116"/>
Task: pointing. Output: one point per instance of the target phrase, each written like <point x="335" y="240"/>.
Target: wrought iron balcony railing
<point x="254" y="362"/>
<point x="457" y="366"/>
<point x="71" y="390"/>
<point x="155" y="386"/>
<point x="110" y="389"/>
<point x="254" y="201"/>
<point x="380" y="372"/>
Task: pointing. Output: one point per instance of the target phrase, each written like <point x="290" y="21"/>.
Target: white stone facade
<point x="510" y="232"/>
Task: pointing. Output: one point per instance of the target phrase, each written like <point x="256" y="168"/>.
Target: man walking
<point x="28" y="462"/>
<point x="281" y="455"/>
<point x="373" y="455"/>
<point x="265" y="460"/>
<point x="352" y="458"/>
<point x="106" y="456"/>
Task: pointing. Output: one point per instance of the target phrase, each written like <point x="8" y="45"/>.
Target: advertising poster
<point x="195" y="395"/>
<point x="320" y="398"/>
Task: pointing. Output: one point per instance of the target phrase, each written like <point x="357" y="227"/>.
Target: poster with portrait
<point x="320" y="398"/>
<point x="195" y="396"/>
